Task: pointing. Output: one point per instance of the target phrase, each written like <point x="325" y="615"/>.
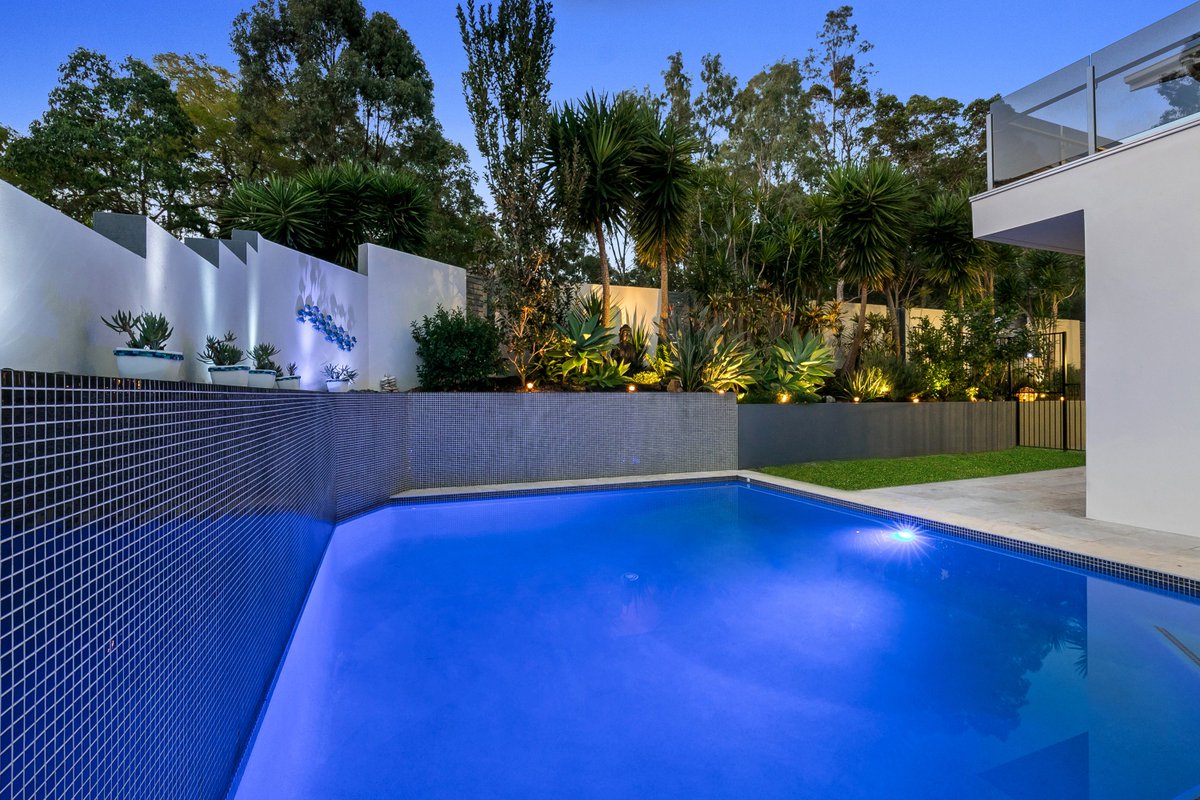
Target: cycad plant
<point x="871" y="208"/>
<point x="663" y="208"/>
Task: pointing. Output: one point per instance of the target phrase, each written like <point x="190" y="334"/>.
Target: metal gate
<point x="1049" y="407"/>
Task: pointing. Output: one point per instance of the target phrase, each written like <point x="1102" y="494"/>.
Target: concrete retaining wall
<point x="778" y="434"/>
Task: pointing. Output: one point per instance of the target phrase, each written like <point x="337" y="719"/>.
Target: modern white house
<point x="1102" y="159"/>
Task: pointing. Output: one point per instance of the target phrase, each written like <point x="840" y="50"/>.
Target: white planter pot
<point x="156" y="365"/>
<point x="261" y="379"/>
<point x="229" y="376"/>
<point x="337" y="387"/>
<point x="288" y="382"/>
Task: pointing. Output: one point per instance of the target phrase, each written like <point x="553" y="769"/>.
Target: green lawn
<point x="874" y="473"/>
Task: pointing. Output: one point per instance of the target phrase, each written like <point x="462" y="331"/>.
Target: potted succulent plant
<point x="265" y="371"/>
<point x="225" y="359"/>
<point x="143" y="355"/>
<point x="338" y="377"/>
<point x="289" y="381"/>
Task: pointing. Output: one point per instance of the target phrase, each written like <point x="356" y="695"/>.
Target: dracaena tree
<point x="588" y="165"/>
<point x="872" y="209"/>
<point x="663" y="208"/>
<point x="945" y="242"/>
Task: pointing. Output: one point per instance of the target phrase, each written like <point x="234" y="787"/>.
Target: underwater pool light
<point x="905" y="535"/>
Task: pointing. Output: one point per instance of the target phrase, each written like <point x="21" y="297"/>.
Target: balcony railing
<point x="1143" y="83"/>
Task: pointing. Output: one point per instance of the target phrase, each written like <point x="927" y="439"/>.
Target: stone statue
<point x="625" y="351"/>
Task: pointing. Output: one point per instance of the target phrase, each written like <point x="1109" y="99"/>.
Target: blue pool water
<point x="718" y="641"/>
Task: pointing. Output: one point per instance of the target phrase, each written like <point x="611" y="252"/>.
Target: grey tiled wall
<point x="156" y="544"/>
<point x="387" y="443"/>
<point x="158" y="539"/>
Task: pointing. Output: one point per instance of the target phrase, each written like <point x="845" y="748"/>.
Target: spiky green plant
<point x="869" y="383"/>
<point x="946" y="242"/>
<point x="667" y="178"/>
<point x="608" y="374"/>
<point x="708" y="356"/>
<point x="796" y="366"/>
<point x="872" y="208"/>
<point x="329" y="210"/>
<point x="262" y="354"/>
<point x="583" y="345"/>
<point x="143" y="331"/>
<point x="588" y="168"/>
<point x="222" y="352"/>
<point x="339" y="372"/>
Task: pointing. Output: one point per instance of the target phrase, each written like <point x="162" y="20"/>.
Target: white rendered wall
<point x="57" y="277"/>
<point x="404" y="288"/>
<point x="1137" y="211"/>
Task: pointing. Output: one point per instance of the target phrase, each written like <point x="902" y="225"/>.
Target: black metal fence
<point x="1050" y="406"/>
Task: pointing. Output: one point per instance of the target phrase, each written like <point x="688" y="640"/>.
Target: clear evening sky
<point x="959" y="48"/>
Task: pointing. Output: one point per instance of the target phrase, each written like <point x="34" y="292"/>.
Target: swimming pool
<point x="718" y="641"/>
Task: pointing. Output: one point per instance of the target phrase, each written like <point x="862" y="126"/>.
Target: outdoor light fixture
<point x="782" y="397"/>
<point x="916" y="399"/>
<point x="631" y="388"/>
<point x="855" y="399"/>
<point x="529" y="386"/>
<point x="904" y="535"/>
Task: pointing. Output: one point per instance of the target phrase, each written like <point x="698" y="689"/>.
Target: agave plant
<point x="262" y="354"/>
<point x="222" y="352"/>
<point x="608" y="374"/>
<point x="583" y="345"/>
<point x="707" y="356"/>
<point x="797" y="366"/>
<point x="142" y="331"/>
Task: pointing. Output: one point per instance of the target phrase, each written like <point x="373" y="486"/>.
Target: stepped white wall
<point x="57" y="277"/>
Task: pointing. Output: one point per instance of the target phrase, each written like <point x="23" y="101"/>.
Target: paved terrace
<point x="1045" y="508"/>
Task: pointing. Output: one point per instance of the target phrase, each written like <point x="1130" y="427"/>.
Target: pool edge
<point x="1072" y="553"/>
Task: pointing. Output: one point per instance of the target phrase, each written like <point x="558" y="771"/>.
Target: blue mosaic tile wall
<point x="156" y="545"/>
<point x="157" y="541"/>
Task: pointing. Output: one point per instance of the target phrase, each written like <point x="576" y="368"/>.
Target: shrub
<point x="458" y="352"/>
<point x="970" y="352"/>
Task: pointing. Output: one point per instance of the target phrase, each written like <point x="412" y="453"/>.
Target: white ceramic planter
<point x="337" y="387"/>
<point x="261" y="379"/>
<point x="288" y="382"/>
<point x="156" y="365"/>
<point x="237" y="375"/>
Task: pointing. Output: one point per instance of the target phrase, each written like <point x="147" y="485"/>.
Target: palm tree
<point x="872" y="209"/>
<point x="946" y="243"/>
<point x="588" y="166"/>
<point x="662" y="215"/>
